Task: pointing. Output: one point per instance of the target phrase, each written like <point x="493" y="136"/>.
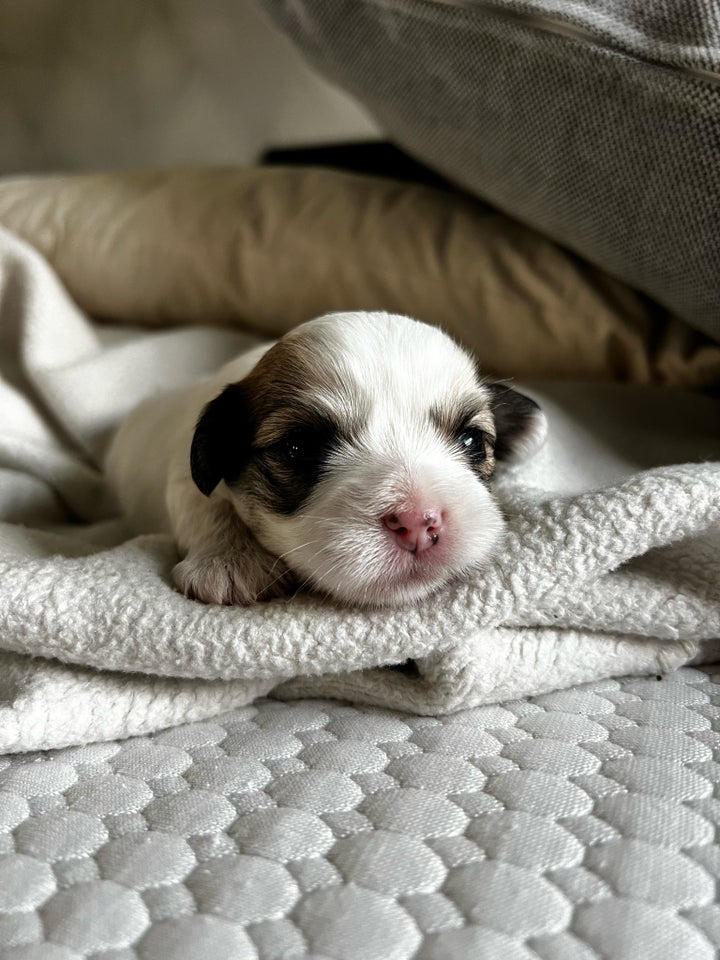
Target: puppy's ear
<point x="520" y="424"/>
<point x="221" y="444"/>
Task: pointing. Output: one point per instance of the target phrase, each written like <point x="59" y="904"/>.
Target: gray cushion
<point x="598" y="124"/>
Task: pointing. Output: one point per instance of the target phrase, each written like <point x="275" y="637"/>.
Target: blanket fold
<point x="610" y="565"/>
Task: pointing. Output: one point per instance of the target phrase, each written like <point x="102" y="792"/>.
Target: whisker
<point x="281" y="575"/>
<point x="288" y="552"/>
<point x="272" y="582"/>
<point x="313" y="574"/>
<point x="314" y="516"/>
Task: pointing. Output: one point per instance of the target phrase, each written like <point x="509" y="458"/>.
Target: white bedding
<point x="610" y="566"/>
<point x="577" y="825"/>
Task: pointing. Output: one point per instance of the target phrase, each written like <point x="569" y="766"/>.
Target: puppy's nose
<point x="415" y="530"/>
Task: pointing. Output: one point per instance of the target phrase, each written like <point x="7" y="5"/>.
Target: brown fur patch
<point x="292" y="375"/>
<point x="469" y="412"/>
<point x="299" y="408"/>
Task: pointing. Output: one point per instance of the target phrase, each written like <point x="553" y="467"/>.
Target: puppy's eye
<point x="302" y="445"/>
<point x="292" y="449"/>
<point x="472" y="442"/>
<point x="303" y="450"/>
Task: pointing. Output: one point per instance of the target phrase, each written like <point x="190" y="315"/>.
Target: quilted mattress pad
<point x="569" y="826"/>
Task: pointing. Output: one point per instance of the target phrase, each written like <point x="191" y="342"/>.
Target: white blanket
<point x="610" y="566"/>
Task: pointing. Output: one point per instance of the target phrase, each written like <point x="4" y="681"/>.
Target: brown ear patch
<point x="519" y="422"/>
<point x="221" y="443"/>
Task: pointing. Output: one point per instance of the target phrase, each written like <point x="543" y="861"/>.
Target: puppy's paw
<point x="230" y="580"/>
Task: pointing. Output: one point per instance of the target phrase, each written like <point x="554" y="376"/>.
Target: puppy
<point x="354" y="456"/>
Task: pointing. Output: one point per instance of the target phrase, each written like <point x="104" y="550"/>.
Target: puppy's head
<point x="360" y="450"/>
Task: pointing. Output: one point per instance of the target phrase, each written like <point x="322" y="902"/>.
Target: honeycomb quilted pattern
<point x="580" y="824"/>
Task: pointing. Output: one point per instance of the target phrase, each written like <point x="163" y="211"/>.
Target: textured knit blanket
<point x="610" y="566"/>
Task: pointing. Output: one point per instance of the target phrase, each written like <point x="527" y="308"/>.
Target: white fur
<point x="396" y="371"/>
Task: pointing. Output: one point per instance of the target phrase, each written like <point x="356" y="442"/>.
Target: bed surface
<point x="578" y="824"/>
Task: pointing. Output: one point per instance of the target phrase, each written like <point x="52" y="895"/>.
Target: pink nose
<point x="415" y="530"/>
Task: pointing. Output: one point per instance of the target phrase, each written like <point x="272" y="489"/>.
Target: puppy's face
<point x="360" y="451"/>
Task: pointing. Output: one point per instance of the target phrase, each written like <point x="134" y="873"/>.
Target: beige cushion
<point x="268" y="248"/>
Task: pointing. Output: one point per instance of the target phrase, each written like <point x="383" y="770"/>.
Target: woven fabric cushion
<point x="269" y="248"/>
<point x="597" y="123"/>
